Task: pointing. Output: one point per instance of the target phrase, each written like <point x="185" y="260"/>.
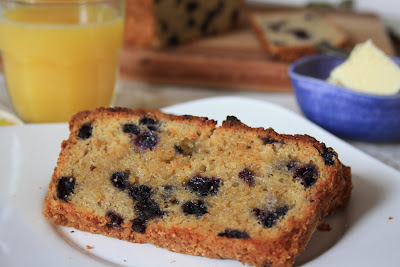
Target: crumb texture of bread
<point x="181" y="183"/>
<point x="289" y="35"/>
<point x="151" y="23"/>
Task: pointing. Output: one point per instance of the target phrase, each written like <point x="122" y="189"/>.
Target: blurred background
<point x="387" y="10"/>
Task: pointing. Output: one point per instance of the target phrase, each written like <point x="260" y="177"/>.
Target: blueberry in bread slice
<point x="181" y="183"/>
<point x="289" y="35"/>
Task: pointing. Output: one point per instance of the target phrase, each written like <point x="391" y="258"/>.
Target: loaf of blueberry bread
<point x="160" y="23"/>
<point x="289" y="35"/>
<point x="181" y="183"/>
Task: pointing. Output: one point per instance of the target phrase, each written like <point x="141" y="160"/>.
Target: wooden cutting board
<point x="236" y="60"/>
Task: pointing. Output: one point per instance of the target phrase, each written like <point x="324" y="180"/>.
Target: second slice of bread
<point x="289" y="35"/>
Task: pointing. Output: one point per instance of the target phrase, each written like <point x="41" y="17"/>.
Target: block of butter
<point x="368" y="69"/>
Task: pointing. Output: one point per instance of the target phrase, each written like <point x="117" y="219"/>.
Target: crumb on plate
<point x="324" y="227"/>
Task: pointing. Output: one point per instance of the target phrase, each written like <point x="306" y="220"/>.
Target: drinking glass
<point x="60" y="56"/>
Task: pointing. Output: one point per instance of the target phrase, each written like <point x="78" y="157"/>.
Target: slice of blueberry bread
<point x="289" y="35"/>
<point x="181" y="183"/>
<point x="160" y="23"/>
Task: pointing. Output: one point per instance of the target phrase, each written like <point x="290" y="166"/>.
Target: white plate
<point x="362" y="235"/>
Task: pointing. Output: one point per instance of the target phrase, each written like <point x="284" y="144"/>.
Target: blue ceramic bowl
<point x="345" y="113"/>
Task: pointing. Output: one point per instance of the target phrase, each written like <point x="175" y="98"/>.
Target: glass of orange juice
<point x="60" y="56"/>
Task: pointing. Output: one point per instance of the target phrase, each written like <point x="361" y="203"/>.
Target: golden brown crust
<point x="194" y="241"/>
<point x="121" y="113"/>
<point x="331" y="194"/>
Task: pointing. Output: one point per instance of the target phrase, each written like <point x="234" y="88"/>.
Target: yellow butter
<point x="368" y="69"/>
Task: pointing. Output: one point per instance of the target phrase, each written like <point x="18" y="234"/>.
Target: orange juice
<point x="60" y="59"/>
